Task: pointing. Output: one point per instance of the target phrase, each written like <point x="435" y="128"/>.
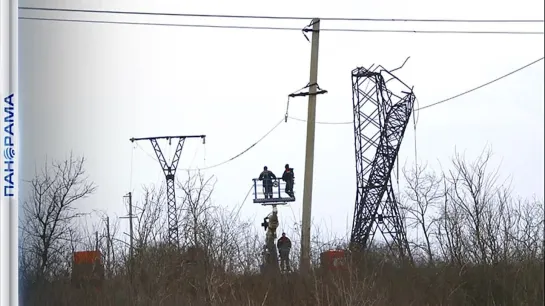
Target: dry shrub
<point x="480" y="246"/>
<point x="367" y="281"/>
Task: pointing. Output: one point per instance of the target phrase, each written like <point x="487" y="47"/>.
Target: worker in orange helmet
<point x="284" y="248"/>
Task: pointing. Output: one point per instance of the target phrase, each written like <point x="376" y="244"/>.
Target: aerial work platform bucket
<point x="279" y="197"/>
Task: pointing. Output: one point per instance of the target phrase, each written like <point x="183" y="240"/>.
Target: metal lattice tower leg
<point x="173" y="237"/>
<point x="170" y="171"/>
<point x="380" y="120"/>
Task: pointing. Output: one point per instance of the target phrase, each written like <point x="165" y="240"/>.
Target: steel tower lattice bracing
<point x="170" y="171"/>
<point x="170" y="174"/>
<point x="380" y="119"/>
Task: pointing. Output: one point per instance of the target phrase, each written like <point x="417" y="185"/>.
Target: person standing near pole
<point x="288" y="177"/>
<point x="267" y="177"/>
<point x="284" y="247"/>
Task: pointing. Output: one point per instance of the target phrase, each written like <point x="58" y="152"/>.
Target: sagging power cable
<point x="417" y="110"/>
<point x="240" y="27"/>
<point x="241" y="153"/>
<point x="121" y="12"/>
<point x="244" y="201"/>
<point x="228" y="160"/>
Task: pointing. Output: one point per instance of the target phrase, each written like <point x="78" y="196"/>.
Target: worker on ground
<point x="288" y="177"/>
<point x="267" y="177"/>
<point x="284" y="247"/>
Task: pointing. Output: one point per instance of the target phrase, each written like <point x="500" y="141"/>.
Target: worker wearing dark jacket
<point x="267" y="177"/>
<point x="284" y="247"/>
<point x="288" y="177"/>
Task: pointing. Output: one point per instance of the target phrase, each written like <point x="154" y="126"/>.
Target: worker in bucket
<point x="284" y="246"/>
<point x="288" y="177"/>
<point x="267" y="177"/>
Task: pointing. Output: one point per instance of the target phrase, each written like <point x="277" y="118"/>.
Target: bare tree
<point x="524" y="230"/>
<point x="100" y="234"/>
<point x="449" y="228"/>
<point x="107" y="229"/>
<point x="216" y="230"/>
<point x="423" y="192"/>
<point x="50" y="211"/>
<point x="196" y="207"/>
<point x="150" y="215"/>
<point x="226" y="235"/>
<point x="500" y="263"/>
<point x="473" y="191"/>
<point x="479" y="221"/>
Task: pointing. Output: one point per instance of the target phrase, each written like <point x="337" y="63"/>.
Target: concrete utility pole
<point x="131" y="244"/>
<point x="309" y="156"/>
<point x="131" y="230"/>
<point x="108" y="264"/>
<point x="96" y="241"/>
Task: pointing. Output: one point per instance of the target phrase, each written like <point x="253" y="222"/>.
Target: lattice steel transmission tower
<point x="380" y="119"/>
<point x="170" y="171"/>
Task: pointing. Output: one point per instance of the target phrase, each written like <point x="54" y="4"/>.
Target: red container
<point x="87" y="269"/>
<point x="87" y="257"/>
<point x="333" y="259"/>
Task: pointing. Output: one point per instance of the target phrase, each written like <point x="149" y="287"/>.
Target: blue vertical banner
<point x="9" y="179"/>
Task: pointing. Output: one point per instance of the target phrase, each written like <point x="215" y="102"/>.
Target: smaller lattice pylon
<point x="169" y="169"/>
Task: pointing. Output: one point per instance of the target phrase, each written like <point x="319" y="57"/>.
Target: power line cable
<point x="133" y="147"/>
<point x="194" y="156"/>
<point x="120" y="12"/>
<point x="480" y="86"/>
<point x="163" y="24"/>
<point x="243" y="201"/>
<point x="322" y="122"/>
<point x="444" y="100"/>
<point x="239" y="27"/>
<point x="228" y="160"/>
<point x="154" y="158"/>
<point x="146" y="152"/>
<point x="247" y="149"/>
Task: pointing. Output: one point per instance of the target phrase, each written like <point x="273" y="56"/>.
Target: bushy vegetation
<point x="476" y="245"/>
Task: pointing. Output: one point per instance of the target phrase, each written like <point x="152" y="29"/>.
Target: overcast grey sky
<point x="91" y="87"/>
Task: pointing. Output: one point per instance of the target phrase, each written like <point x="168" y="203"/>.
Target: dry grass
<point x="371" y="282"/>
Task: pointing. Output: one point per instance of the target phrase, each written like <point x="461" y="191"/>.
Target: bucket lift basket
<point x="279" y="197"/>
